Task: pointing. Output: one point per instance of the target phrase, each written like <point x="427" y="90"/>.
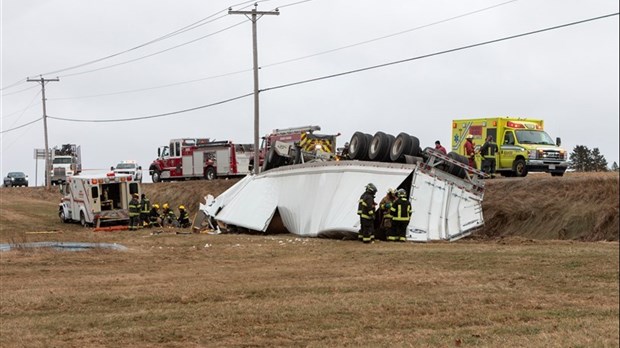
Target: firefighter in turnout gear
<point x="167" y="216"/>
<point x="145" y="208"/>
<point x="366" y="211"/>
<point x="488" y="151"/>
<point x="154" y="218"/>
<point x="134" y="213"/>
<point x="470" y="150"/>
<point x="401" y="214"/>
<point x="386" y="215"/>
<point x="183" y="217"/>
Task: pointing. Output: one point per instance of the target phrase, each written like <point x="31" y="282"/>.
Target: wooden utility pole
<point x="47" y="148"/>
<point x="255" y="15"/>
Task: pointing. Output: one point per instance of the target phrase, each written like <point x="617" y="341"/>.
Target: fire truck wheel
<point x="358" y="146"/>
<point x="156" y="176"/>
<point x="210" y="173"/>
<point x="83" y="219"/>
<point x="519" y="168"/>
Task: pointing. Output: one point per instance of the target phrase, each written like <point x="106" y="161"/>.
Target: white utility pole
<point x="47" y="151"/>
<point x="255" y="15"/>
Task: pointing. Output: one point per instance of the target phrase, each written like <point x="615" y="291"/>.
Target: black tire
<point x="61" y="215"/>
<point x="380" y="147"/>
<point x="358" y="146"/>
<point x="454" y="169"/>
<point x="210" y="173"/>
<point x="156" y="177"/>
<point x="519" y="168"/>
<point x="83" y="219"/>
<point x="404" y="144"/>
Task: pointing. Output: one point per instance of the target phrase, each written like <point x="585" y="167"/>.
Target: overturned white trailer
<point x="320" y="198"/>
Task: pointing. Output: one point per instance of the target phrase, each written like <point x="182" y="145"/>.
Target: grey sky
<point x="568" y="77"/>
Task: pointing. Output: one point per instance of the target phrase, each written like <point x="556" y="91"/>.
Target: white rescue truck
<point x="97" y="199"/>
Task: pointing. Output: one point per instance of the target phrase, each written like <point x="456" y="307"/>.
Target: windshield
<point x="126" y="166"/>
<point x="19" y="175"/>
<point x="62" y="160"/>
<point x="534" y="137"/>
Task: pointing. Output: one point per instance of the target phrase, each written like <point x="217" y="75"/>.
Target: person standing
<point x="488" y="151"/>
<point x="145" y="208"/>
<point x="134" y="212"/>
<point x="401" y="215"/>
<point x="183" y="217"/>
<point x="470" y="151"/>
<point x="386" y="215"/>
<point x="366" y="211"/>
<point x="440" y="148"/>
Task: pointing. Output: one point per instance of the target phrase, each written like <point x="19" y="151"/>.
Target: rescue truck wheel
<point x="210" y="173"/>
<point x="519" y="168"/>
<point x="83" y="219"/>
<point x="61" y="215"/>
<point x="358" y="146"/>
<point x="156" y="176"/>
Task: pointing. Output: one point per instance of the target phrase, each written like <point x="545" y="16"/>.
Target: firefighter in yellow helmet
<point x="183" y="217"/>
<point x="167" y="216"/>
<point x="154" y="218"/>
<point x="385" y="215"/>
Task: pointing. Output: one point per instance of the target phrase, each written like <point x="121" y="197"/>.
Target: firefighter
<point x="167" y="216"/>
<point x="488" y="151"/>
<point x="134" y="213"/>
<point x="366" y="211"/>
<point x="440" y="148"/>
<point x="385" y="214"/>
<point x="401" y="214"/>
<point x="470" y="151"/>
<point x="154" y="218"/>
<point x="145" y="208"/>
<point x="183" y="217"/>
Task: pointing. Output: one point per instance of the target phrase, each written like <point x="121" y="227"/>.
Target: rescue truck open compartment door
<point x="222" y="161"/>
<point x="187" y="163"/>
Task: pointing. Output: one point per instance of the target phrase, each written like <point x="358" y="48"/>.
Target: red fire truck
<point x="188" y="158"/>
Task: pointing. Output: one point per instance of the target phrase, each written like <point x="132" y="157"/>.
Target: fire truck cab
<point x="523" y="144"/>
<point x="195" y="158"/>
<point x="96" y="199"/>
<point x="296" y="145"/>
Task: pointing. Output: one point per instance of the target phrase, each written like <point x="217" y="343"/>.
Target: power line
<point x="345" y="73"/>
<point x="298" y="58"/>
<point x="154" y="116"/>
<point x="441" y="52"/>
<point x="22" y="126"/>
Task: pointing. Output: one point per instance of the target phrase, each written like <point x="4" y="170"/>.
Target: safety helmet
<point x="371" y="188"/>
<point x="390" y="191"/>
<point x="135" y="195"/>
<point x="402" y="193"/>
<point x="182" y="207"/>
<point x="166" y="206"/>
<point x="156" y="206"/>
<point x="469" y="136"/>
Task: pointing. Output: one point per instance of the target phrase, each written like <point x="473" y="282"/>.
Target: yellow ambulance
<point x="523" y="145"/>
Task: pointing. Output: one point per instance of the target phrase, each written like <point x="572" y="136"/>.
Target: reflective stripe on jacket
<point x="365" y="207"/>
<point x="401" y="210"/>
<point x="134" y="207"/>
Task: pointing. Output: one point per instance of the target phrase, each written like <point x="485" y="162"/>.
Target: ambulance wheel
<point x="83" y="219"/>
<point x="519" y="168"/>
<point x="156" y="176"/>
<point x="61" y="215"/>
<point x="210" y="173"/>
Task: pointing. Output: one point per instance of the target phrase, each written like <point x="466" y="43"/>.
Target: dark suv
<point x="16" y="179"/>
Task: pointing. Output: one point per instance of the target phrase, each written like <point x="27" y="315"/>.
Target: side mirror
<point x="139" y="167"/>
<point x="112" y="168"/>
<point x="558" y="141"/>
